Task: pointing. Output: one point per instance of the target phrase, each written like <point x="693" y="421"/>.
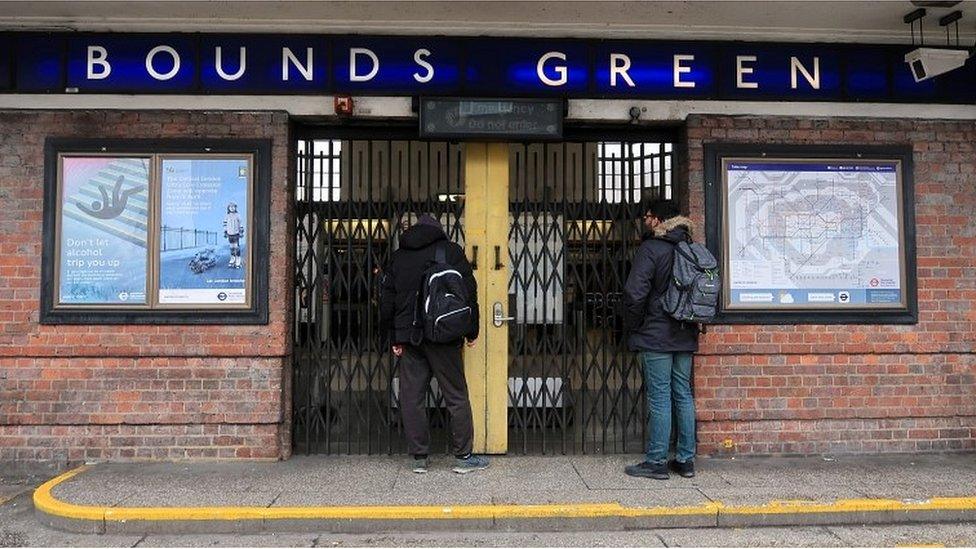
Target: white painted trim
<point x="610" y="110"/>
<point x="619" y="109"/>
<point x="296" y="105"/>
<point x="473" y="27"/>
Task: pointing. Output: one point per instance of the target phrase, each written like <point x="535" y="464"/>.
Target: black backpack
<point x="443" y="313"/>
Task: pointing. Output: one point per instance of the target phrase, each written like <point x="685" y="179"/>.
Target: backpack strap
<point x="421" y="294"/>
<point x="682" y="253"/>
<point x="677" y="249"/>
<point x="417" y="328"/>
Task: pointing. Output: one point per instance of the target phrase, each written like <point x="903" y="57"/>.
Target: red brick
<point x="108" y="378"/>
<point x="905" y="373"/>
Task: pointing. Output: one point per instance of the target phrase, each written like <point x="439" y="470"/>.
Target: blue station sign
<point x="498" y="67"/>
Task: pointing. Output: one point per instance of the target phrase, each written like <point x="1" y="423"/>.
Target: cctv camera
<point x="928" y="62"/>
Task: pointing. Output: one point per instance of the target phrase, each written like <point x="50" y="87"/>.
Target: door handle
<point x="498" y="317"/>
<point x="498" y="258"/>
<point x="474" y="258"/>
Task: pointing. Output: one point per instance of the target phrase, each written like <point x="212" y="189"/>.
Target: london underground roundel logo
<point x="874" y="282"/>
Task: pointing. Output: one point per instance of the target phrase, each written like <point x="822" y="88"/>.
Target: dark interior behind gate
<point x="574" y="214"/>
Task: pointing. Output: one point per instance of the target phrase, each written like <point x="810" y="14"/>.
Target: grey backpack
<point x="692" y="295"/>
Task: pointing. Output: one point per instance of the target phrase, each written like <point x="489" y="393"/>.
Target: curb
<point x="556" y="517"/>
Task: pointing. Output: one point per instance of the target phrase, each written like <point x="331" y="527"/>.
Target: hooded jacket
<point x="402" y="277"/>
<point x="650" y="327"/>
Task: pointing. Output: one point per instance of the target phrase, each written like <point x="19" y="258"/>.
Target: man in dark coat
<point x="665" y="345"/>
<point x="419" y="359"/>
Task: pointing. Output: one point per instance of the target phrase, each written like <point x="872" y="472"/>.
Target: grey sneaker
<point x="472" y="463"/>
<point x="419" y="465"/>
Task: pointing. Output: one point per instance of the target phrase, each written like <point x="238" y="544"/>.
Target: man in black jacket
<point x="399" y="286"/>
<point x="665" y="345"/>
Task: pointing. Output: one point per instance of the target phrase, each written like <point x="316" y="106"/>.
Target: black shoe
<point x="686" y="469"/>
<point x="648" y="470"/>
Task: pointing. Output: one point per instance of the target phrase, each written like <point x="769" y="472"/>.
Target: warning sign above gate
<point x="457" y="118"/>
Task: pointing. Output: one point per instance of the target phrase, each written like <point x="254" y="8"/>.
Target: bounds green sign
<point x="491" y="118"/>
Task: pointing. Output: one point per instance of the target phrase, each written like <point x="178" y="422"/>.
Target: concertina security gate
<point x="574" y="222"/>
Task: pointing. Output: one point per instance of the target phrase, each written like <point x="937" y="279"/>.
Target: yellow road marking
<point x="47" y="503"/>
<point x="44" y="501"/>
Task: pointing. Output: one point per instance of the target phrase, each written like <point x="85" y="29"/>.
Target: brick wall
<point x="850" y="389"/>
<point x="69" y="393"/>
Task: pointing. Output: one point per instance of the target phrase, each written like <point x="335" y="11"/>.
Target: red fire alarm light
<point x="343" y="105"/>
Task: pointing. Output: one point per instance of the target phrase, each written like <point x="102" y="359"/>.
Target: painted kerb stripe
<point x="45" y="502"/>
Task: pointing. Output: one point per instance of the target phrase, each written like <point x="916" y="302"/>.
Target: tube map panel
<point x="813" y="234"/>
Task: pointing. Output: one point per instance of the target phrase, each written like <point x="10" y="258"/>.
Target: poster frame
<point x="58" y="227"/>
<point x="156" y="274"/>
<point x="715" y="156"/>
<point x="254" y="312"/>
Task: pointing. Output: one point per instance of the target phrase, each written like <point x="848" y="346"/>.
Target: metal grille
<point x="354" y="198"/>
<point x="574" y="214"/>
<point x="575" y="222"/>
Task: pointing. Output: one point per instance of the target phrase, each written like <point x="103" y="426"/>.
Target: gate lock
<point x="498" y="316"/>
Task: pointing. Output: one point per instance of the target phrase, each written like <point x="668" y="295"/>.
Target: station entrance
<point x="550" y="229"/>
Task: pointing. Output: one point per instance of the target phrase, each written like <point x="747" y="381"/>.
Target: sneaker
<point x="658" y="471"/>
<point x="685" y="469"/>
<point x="419" y="465"/>
<point x="471" y="463"/>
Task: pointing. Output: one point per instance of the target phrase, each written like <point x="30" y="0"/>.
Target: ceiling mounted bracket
<point x="910" y="19"/>
<point x="949" y="19"/>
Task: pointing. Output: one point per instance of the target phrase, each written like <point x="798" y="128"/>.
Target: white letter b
<point x="101" y="59"/>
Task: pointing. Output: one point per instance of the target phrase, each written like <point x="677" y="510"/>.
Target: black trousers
<point x="444" y="362"/>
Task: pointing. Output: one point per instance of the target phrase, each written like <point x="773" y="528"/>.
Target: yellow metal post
<point x="496" y="291"/>
<point x="486" y="228"/>
<point x="475" y="176"/>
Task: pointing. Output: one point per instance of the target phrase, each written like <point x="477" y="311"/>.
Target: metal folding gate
<point x="574" y="221"/>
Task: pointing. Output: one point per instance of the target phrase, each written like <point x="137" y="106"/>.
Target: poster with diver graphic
<point x="103" y="233"/>
<point x="202" y="243"/>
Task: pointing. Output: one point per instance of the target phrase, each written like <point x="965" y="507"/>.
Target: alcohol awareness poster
<point x="104" y="212"/>
<point x="204" y="221"/>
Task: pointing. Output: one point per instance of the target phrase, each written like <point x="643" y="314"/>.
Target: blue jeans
<point x="667" y="378"/>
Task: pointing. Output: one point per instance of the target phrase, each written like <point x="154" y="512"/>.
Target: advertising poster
<point x="104" y="214"/>
<point x="813" y="234"/>
<point x="203" y="235"/>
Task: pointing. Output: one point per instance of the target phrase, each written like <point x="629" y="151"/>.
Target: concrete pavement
<point x="580" y="493"/>
<point x="19" y="528"/>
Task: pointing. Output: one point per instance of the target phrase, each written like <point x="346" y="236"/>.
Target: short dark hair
<point x="663" y="209"/>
